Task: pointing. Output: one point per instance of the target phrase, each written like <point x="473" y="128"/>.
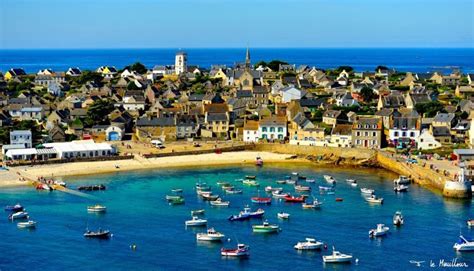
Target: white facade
<point x="395" y="134"/>
<point x="181" y="62"/>
<point x="251" y="135"/>
<point x="81" y="149"/>
<point x="344" y="141"/>
<point x="426" y="141"/>
<point x="291" y="93"/>
<point x="272" y="131"/>
<point x="21" y="137"/>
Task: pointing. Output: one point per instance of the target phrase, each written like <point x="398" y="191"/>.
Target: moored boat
<point x="43" y="186"/>
<point x="18" y="215"/>
<point x="219" y="202"/>
<point x="310" y="180"/>
<point x="250" y="182"/>
<point x="251" y="177"/>
<point x="309" y="244"/>
<point x="196" y="222"/>
<point x="100" y="234"/>
<point x="247" y="214"/>
<point x="398" y="219"/>
<point x="367" y="191"/>
<point x="351" y="181"/>
<point x="337" y="257"/>
<point x="92" y="187"/>
<point x="464" y="244"/>
<point x="177" y="190"/>
<point x="329" y="179"/>
<point x="470" y="222"/>
<point x="400" y="188"/>
<point x="211" y="235"/>
<point x="273" y="189"/>
<point x="96" y="208"/>
<point x="197" y="212"/>
<point x="402" y="180"/>
<point x="374" y="199"/>
<point x="233" y="191"/>
<point x="381" y="230"/>
<point x="326" y="188"/>
<point x="279" y="194"/>
<point x="173" y="197"/>
<point x="260" y="200"/>
<point x="289" y="198"/>
<point x="312" y="205"/>
<point x="281" y="181"/>
<point x="302" y="188"/>
<point x="266" y="228"/>
<point x="282" y="215"/>
<point x="241" y="251"/>
<point x="177" y="201"/>
<point x="30" y="224"/>
<point x="354" y="184"/>
<point x="14" y="208"/>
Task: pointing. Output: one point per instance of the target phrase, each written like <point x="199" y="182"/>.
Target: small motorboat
<point x="202" y="187"/>
<point x="222" y="183"/>
<point x="209" y="197"/>
<point x="197" y="212"/>
<point x="30" y="224"/>
<point x="173" y="197"/>
<point x="241" y="251"/>
<point x="211" y="235"/>
<point x="339" y="199"/>
<point x="60" y="183"/>
<point x="329" y="179"/>
<point x="100" y="234"/>
<point x="260" y="200"/>
<point x="279" y="194"/>
<point x="270" y="189"/>
<point x="220" y="203"/>
<point x="18" y="215"/>
<point x="251" y="182"/>
<point x="470" y="222"/>
<point x="313" y="205"/>
<point x="289" y="198"/>
<point x="266" y="228"/>
<point x="326" y="188"/>
<point x="290" y="181"/>
<point x="176" y="201"/>
<point x="464" y="244"/>
<point x="281" y="182"/>
<point x="381" y="230"/>
<point x="309" y="244"/>
<point x="302" y="188"/>
<point x="43" y="186"/>
<point x="251" y="177"/>
<point x="374" y="199"/>
<point x="196" y="222"/>
<point x="351" y="181"/>
<point x="14" y="208"/>
<point x="91" y="187"/>
<point x="367" y="191"/>
<point x="259" y="161"/>
<point x="398" y="219"/>
<point x="337" y="257"/>
<point x="402" y="180"/>
<point x="400" y="188"/>
<point x="97" y="208"/>
<point x="177" y="190"/>
<point x="234" y="191"/>
<point x="247" y="214"/>
<point x="227" y="187"/>
<point x="310" y="180"/>
<point x="284" y="216"/>
<point x="354" y="184"/>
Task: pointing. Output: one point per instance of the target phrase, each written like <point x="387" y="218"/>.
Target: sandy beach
<point x="12" y="177"/>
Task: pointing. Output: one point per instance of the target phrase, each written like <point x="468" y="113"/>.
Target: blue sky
<point x="234" y="23"/>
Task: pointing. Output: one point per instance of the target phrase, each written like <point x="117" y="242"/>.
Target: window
<point x="264" y="129"/>
<point x="358" y="141"/>
<point x="357" y="133"/>
<point x="395" y="134"/>
<point x="272" y="129"/>
<point x="374" y="133"/>
<point x="412" y="134"/>
<point x="280" y="129"/>
<point x="404" y="134"/>
<point x="280" y="136"/>
<point x="375" y="126"/>
<point x="366" y="133"/>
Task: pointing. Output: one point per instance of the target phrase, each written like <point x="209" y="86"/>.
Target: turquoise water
<point x="138" y="214"/>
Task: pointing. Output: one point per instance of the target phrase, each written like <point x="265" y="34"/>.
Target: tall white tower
<point x="181" y="62"/>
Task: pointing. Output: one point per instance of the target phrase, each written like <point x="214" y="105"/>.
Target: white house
<point x="81" y="149"/>
<point x="426" y="141"/>
<point x="345" y="99"/>
<point x="21" y="137"/>
<point x="404" y="126"/>
<point x="341" y="136"/>
<point x="273" y="128"/>
<point x="291" y="93"/>
<point x="26" y="112"/>
<point x="251" y="131"/>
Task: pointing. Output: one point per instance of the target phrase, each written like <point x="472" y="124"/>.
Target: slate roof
<point x="155" y="122"/>
<point x="444" y="117"/>
<point x="217" y="117"/>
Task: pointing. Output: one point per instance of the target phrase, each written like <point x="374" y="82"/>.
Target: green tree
<point x="137" y="67"/>
<point x="346" y="68"/>
<point x="132" y="86"/>
<point x="261" y="63"/>
<point x="430" y="109"/>
<point x="87" y="76"/>
<point x="379" y="67"/>
<point x="367" y="94"/>
<point x="275" y="64"/>
<point x="98" y="111"/>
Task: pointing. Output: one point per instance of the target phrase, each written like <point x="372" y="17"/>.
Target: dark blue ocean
<point x="417" y="60"/>
<point x="138" y="214"/>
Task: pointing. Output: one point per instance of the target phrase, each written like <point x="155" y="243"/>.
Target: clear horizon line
<point x="214" y="48"/>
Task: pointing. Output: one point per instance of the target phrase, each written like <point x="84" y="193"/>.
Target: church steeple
<point x="247" y="59"/>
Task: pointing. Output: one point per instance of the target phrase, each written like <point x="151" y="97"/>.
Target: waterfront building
<point x="251" y="131"/>
<point x="21" y="137"/>
<point x="367" y="132"/>
<point x="341" y="136"/>
<point x="273" y="128"/>
<point x="444" y="120"/>
<point x="426" y="141"/>
<point x="181" y="62"/>
<point x="404" y="127"/>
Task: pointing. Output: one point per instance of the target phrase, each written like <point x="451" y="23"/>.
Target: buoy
<point x="133" y="247"/>
<point x="357" y="260"/>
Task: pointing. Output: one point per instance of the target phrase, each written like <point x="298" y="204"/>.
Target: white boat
<point x="464" y="244"/>
<point x="351" y="181"/>
<point x="196" y="221"/>
<point x="398" y="218"/>
<point x="402" y="180"/>
<point x="233" y="191"/>
<point x="310" y="180"/>
<point x="18" y="215"/>
<point x="290" y="181"/>
<point x="272" y="189"/>
<point x="329" y="179"/>
<point x="283" y="215"/>
<point x="374" y="199"/>
<point x="219" y="202"/>
<point x="302" y="188"/>
<point x="337" y="257"/>
<point x="26" y="225"/>
<point x="470" y="222"/>
<point x="400" y="188"/>
<point x="309" y="244"/>
<point x="381" y="230"/>
<point x="354" y="184"/>
<point x="241" y="251"/>
<point x="279" y="194"/>
<point x="96" y="208"/>
<point x="367" y="191"/>
<point x="211" y="235"/>
<point x="313" y="205"/>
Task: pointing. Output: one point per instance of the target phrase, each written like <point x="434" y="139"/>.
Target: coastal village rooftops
<point x="441" y="131"/>
<point x="332" y="113"/>
<point x="444" y="117"/>
<point x="79" y="146"/>
<point x="368" y="123"/>
<point x="273" y="120"/>
<point x="216" y="108"/>
<point x="162" y="122"/>
<point x="251" y="125"/>
<point x="342" y="129"/>
<point x="217" y="117"/>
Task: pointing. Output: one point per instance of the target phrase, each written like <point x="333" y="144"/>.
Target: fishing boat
<point x="96" y="208"/>
<point x="381" y="230"/>
<point x="282" y="215"/>
<point x="464" y="244"/>
<point x="302" y="188"/>
<point x="211" y="235"/>
<point x="233" y="191"/>
<point x="43" y="186"/>
<point x="177" y="201"/>
<point x="251" y="177"/>
<point x="60" y="183"/>
<point x="196" y="222"/>
<point x="177" y="190"/>
<point x="250" y="182"/>
<point x="281" y="181"/>
<point x="310" y="180"/>
<point x="398" y="219"/>
<point x="14" y="208"/>
<point x="290" y="181"/>
<point x="241" y="251"/>
<point x="329" y="179"/>
<point x="337" y="257"/>
<point x="400" y="188"/>
<point x="172" y="197"/>
<point x="18" y="215"/>
<point x="351" y="181"/>
<point x="402" y="180"/>
<point x="227" y="187"/>
<point x="100" y="234"/>
<point x="197" y="212"/>
<point x="339" y="199"/>
<point x="312" y="205"/>
<point x="367" y="191"/>
<point x="309" y="244"/>
<point x="259" y="161"/>
<point x="202" y="187"/>
<point x="222" y="183"/>
<point x="470" y="222"/>
<point x="92" y="187"/>
<point x="247" y="214"/>
<point x="260" y="200"/>
<point x="289" y="198"/>
<point x="326" y="188"/>
<point x="279" y="194"/>
<point x="374" y="199"/>
<point x="266" y="228"/>
<point x="220" y="203"/>
<point x="30" y="224"/>
<point x="273" y="189"/>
